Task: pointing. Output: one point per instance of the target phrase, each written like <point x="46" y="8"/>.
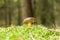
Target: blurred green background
<point x="46" y="12"/>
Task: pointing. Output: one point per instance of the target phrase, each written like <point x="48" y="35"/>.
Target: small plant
<point x="37" y="32"/>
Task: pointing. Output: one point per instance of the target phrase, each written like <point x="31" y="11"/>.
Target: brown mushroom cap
<point x="29" y="20"/>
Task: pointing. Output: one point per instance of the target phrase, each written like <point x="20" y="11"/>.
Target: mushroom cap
<point x="29" y="20"/>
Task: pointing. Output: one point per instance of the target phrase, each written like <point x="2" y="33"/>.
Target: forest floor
<point x="37" y="32"/>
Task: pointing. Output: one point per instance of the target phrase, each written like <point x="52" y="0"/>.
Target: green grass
<point x="37" y="32"/>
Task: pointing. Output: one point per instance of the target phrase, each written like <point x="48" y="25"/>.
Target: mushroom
<point x="29" y="21"/>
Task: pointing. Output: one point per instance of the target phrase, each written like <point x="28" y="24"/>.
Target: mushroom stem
<point x="29" y="25"/>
